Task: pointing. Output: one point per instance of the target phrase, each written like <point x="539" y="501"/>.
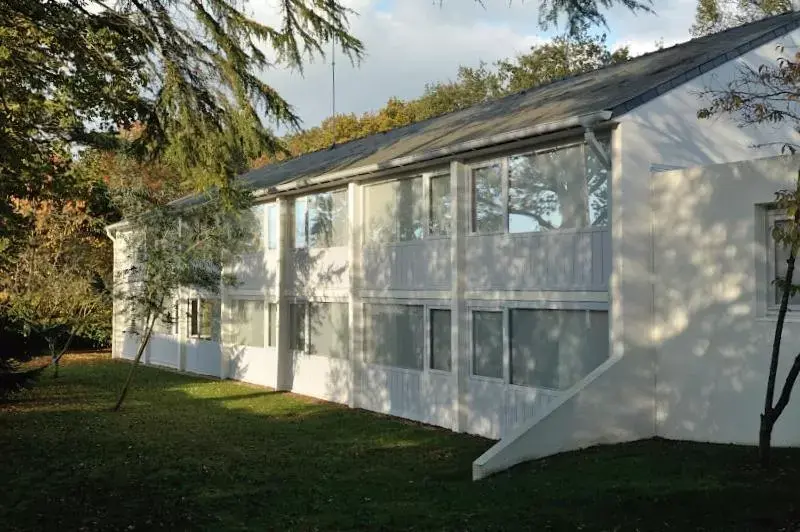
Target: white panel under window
<point x="441" y="353"/>
<point x="487" y="199"/>
<point x="273" y="226"/>
<point x="247" y="323"/>
<point x="329" y="330"/>
<point x="395" y="335"/>
<point x="487" y="343"/>
<point x="440" y="205"/>
<point x="556" y="348"/>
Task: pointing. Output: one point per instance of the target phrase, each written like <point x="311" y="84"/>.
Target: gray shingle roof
<point x="618" y="88"/>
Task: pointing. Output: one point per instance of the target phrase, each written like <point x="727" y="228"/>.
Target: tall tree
<point x="713" y="16"/>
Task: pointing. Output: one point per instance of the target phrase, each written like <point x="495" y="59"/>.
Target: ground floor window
<point x="272" y="325"/>
<point x="542" y="348"/>
<point x="487" y="344"/>
<point x="395" y="335"/>
<point x="440" y="342"/>
<point x="320" y="328"/>
<point x="556" y="348"/>
<point x="247" y="323"/>
<point x="204" y="318"/>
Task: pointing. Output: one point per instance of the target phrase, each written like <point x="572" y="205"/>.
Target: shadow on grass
<point x="189" y="452"/>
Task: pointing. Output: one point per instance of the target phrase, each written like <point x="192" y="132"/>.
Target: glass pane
<point x="597" y="175"/>
<point x="255" y="322"/>
<point x="209" y="319"/>
<point x="487" y="344"/>
<point x="272" y="325"/>
<point x="781" y="256"/>
<point x="440" y="205"/>
<point x="379" y="213"/>
<point x="300" y="214"/>
<point x="255" y="222"/>
<point x="556" y="348"/>
<point x="339" y="222"/>
<point x="487" y="194"/>
<point x="193" y="318"/>
<point x="440" y="340"/>
<point x="547" y="190"/>
<point x="395" y="335"/>
<point x="329" y="332"/>
<point x="409" y="209"/>
<point x="297" y="326"/>
<point x="272" y="226"/>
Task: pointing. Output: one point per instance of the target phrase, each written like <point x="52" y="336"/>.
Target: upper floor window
<point x="272" y="226"/>
<point x="778" y="255"/>
<point x="560" y="188"/>
<point x="320" y="220"/>
<point x="407" y="209"/>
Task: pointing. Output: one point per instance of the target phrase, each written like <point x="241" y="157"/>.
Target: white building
<point x="525" y="270"/>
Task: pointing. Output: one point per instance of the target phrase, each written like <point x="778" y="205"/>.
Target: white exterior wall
<point x="620" y="404"/>
<point x="712" y="328"/>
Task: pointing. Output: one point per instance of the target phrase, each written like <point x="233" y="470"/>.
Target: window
<point x="395" y="335"/>
<point x="556" y="348"/>
<point x="329" y="329"/>
<point x="297" y="326"/>
<point x="204" y="318"/>
<point x="441" y="353"/>
<point x="440" y="205"/>
<point x="779" y="254"/>
<point x="321" y="220"/>
<point x="487" y="344"/>
<point x="487" y="199"/>
<point x="410" y="212"/>
<point x="256" y="228"/>
<point x="273" y="226"/>
<point x="247" y="323"/>
<point x="561" y="188"/>
<point x="272" y="324"/>
<point x="396" y="211"/>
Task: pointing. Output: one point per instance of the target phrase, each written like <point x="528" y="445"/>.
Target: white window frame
<point x="774" y="216"/>
<point x="503" y="162"/>
<point x="506" y="307"/>
<point x="426" y="199"/>
<point x="428" y="327"/>
<point x="199" y="300"/>
<point x="506" y="344"/>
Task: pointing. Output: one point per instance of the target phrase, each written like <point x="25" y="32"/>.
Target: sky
<point x="413" y="42"/>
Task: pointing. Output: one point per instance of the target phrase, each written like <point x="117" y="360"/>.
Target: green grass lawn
<point x="190" y="453"/>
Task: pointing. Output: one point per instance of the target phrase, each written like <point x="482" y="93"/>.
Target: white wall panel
<point x="164" y="350"/>
<point x="257" y="365"/>
<point x="203" y="357"/>
<point x="318" y="269"/>
<point x="321" y="377"/>
<point x="557" y="260"/>
<point x="416" y="265"/>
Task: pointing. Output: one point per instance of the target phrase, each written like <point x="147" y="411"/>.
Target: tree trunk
<point x="57" y="358"/>
<point x="765" y="441"/>
<point x="142" y="345"/>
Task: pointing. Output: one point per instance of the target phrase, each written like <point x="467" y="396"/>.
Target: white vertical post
<point x="354" y="209"/>
<point x="284" y="358"/>
<point x="459" y="335"/>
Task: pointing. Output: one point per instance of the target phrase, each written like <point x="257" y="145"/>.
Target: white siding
<point x="415" y="265"/>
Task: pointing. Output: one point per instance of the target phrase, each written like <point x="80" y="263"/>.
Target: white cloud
<point x="413" y="42"/>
